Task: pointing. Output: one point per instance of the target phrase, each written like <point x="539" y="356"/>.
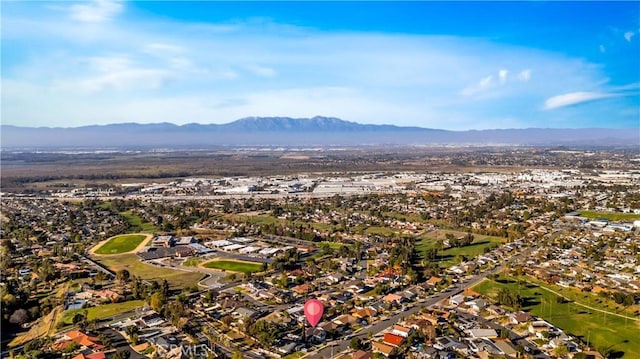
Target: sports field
<point x="121" y="244"/>
<point x="234" y="266"/>
<point x="605" y="331"/>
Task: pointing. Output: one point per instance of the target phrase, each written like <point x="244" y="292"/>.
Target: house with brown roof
<point x="364" y="313"/>
<point x="81" y="339"/>
<point x="392" y="298"/>
<point x="361" y="354"/>
<point x="520" y="317"/>
<point x="302" y="289"/>
<point x="346" y="319"/>
<point x="382" y="348"/>
<point x="99" y="355"/>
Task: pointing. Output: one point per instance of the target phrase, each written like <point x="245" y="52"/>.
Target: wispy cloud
<point x="579" y="97"/>
<point x="96" y="11"/>
<point x="490" y="82"/>
<point x="574" y="98"/>
<point x="629" y="35"/>
<point x="525" y="75"/>
<point x="262" y="71"/>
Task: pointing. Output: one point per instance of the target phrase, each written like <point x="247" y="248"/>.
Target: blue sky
<point x="450" y="65"/>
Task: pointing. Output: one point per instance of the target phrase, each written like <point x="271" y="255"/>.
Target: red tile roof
<point x="392" y="339"/>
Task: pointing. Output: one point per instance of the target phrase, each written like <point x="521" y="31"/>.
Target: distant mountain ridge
<point x="286" y="131"/>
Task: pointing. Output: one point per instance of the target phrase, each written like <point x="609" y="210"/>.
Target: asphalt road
<point x="411" y="309"/>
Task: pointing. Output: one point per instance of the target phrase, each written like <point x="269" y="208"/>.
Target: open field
<point x="135" y="221"/>
<point x="604" y="331"/>
<point x="609" y="215"/>
<point x="332" y="245"/>
<point x="192" y="262"/>
<point x="121" y="244"/>
<point x="176" y="278"/>
<point x="234" y="266"/>
<point x="447" y="256"/>
<point x="267" y="219"/>
<point x="101" y="311"/>
<point x="587" y="298"/>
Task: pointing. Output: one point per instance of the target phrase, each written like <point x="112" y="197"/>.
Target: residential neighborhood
<point x="416" y="265"/>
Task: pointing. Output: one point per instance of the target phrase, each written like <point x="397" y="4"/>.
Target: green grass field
<point x="101" y="311"/>
<point x="234" y="266"/>
<point x="131" y="262"/>
<point x="192" y="262"/>
<point x="446" y="258"/>
<point x="604" y="331"/>
<point x="121" y="244"/>
<point x="333" y="245"/>
<point x="609" y="215"/>
<point x="137" y="223"/>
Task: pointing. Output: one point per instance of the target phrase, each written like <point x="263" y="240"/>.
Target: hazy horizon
<point x="317" y="116"/>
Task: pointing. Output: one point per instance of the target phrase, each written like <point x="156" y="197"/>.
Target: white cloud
<point x="502" y="74"/>
<point x="490" y="83"/>
<point x="603" y="49"/>
<point x="629" y="35"/>
<point x="262" y="71"/>
<point x="96" y="11"/>
<point x="163" y="48"/>
<point x="524" y="75"/>
<point x="123" y="80"/>
<point x="484" y="84"/>
<point x="109" y="63"/>
<point x="574" y="98"/>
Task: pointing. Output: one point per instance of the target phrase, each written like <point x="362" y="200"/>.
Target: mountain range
<point x="285" y="131"/>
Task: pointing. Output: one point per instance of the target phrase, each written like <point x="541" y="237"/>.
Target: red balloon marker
<point x="313" y="310"/>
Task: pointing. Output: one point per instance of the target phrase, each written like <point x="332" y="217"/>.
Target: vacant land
<point x="192" y="262"/>
<point x="101" y="311"/>
<point x="130" y="262"/>
<point x="604" y="331"/>
<point x="234" y="266"/>
<point x="612" y="216"/>
<point x="136" y="222"/>
<point x="446" y="257"/>
<point x="121" y="244"/>
<point x="332" y="245"/>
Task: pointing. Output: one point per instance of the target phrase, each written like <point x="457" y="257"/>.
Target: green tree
<point x="123" y="275"/>
<point x="157" y="301"/>
<point x="355" y="343"/>
<point x="560" y="351"/>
